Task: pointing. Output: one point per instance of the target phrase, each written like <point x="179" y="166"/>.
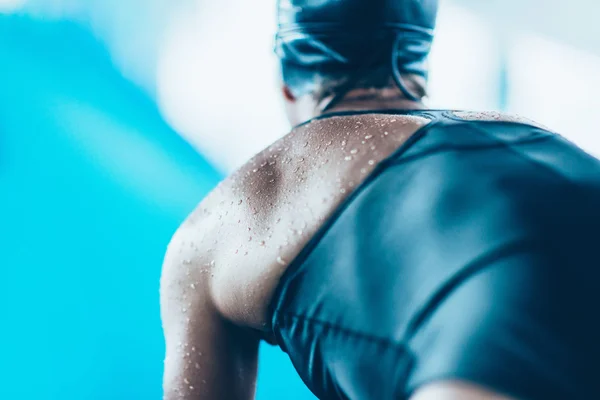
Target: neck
<point x="370" y="99"/>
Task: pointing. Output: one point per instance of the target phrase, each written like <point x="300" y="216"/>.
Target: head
<point x="353" y="53"/>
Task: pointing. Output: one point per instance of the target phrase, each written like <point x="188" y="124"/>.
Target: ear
<point x="287" y="94"/>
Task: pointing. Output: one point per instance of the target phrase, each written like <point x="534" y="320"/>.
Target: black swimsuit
<point x="472" y="253"/>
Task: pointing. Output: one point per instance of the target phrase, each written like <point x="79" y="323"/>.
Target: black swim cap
<point x="325" y="37"/>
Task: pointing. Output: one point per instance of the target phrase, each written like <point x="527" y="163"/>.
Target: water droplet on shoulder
<point x="281" y="261"/>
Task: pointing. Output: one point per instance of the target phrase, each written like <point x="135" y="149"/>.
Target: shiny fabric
<point x="471" y="254"/>
<point x="339" y="36"/>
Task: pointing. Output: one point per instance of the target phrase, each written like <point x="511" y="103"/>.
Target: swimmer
<point x="393" y="252"/>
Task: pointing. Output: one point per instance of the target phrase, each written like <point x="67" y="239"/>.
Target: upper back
<point x="247" y="231"/>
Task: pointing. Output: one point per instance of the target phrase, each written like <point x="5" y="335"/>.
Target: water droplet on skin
<point x="353" y="151"/>
<point x="254" y="170"/>
<point x="342" y="191"/>
<point x="193" y="348"/>
<point x="301" y="160"/>
<point x="270" y="173"/>
<point x="343" y="143"/>
<point x="197" y="366"/>
<point x="281" y="261"/>
<point x="386" y="133"/>
<point x="363" y="171"/>
<point x="240" y="202"/>
<point x="305" y="144"/>
<point x="184" y="309"/>
<point x="351" y="184"/>
<point x="278" y="220"/>
<point x="186" y="381"/>
<point x="348" y="158"/>
<point x="393" y="120"/>
<point x="193" y="286"/>
<point x="371" y="162"/>
<point x="368" y="137"/>
<point x="250" y="239"/>
<point x="212" y="263"/>
<point x="191" y="388"/>
<point x="329" y="143"/>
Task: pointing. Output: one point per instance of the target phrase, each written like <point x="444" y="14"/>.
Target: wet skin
<point x="224" y="263"/>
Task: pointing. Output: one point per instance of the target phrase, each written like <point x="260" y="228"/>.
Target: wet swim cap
<point x="325" y="37"/>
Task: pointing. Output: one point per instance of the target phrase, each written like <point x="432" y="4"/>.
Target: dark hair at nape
<point x="323" y="84"/>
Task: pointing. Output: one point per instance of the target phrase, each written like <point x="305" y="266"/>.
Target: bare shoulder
<point x="243" y="236"/>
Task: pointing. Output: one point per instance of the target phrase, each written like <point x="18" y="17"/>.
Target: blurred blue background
<point x="117" y="117"/>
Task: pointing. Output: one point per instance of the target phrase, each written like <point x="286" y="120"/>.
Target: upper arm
<point x="455" y="390"/>
<point x="206" y="356"/>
